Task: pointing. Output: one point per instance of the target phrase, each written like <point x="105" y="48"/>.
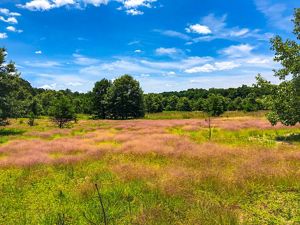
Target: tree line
<point x="121" y="99"/>
<point x="124" y="99"/>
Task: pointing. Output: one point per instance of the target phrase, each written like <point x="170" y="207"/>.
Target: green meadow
<point x="153" y="171"/>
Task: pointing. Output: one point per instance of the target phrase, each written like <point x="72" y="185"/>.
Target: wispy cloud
<point x="83" y="60"/>
<point x="171" y="52"/>
<point x="213" y="27"/>
<point x="278" y="14"/>
<point x="218" y="66"/>
<point x="172" y="33"/>
<point x="220" y="30"/>
<point x="42" y="64"/>
<point x="235" y="51"/>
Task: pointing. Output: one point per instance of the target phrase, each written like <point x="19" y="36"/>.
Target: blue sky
<point x="165" y="44"/>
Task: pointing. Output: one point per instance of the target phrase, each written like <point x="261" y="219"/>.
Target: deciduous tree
<point x="62" y="111"/>
<point x="125" y="99"/>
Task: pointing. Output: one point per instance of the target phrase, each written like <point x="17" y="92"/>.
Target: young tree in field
<point x="34" y="111"/>
<point x="125" y="99"/>
<point x="215" y="106"/>
<point x="99" y="98"/>
<point x="62" y="111"/>
<point x="286" y="97"/>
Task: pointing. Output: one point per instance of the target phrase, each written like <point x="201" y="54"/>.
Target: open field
<point x="151" y="172"/>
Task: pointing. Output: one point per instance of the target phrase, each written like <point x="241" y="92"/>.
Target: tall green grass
<point x="199" y="115"/>
<point x="243" y="137"/>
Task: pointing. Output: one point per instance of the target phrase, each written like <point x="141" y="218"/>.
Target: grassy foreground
<point x="151" y="172"/>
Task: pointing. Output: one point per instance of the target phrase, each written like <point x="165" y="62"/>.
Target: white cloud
<point x="131" y="7"/>
<point x="37" y="5"/>
<point x="83" y="60"/>
<point x="226" y="65"/>
<point x="49" y="86"/>
<point x="96" y="2"/>
<point x="39" y="52"/>
<point x="138" y="3"/>
<point x="181" y="64"/>
<point x="167" y="51"/>
<point x="138" y="51"/>
<point x="239" y="33"/>
<point x="13" y="29"/>
<point x="199" y="29"/>
<point x="171" y="73"/>
<point x="11" y="20"/>
<point x="218" y="66"/>
<point x="199" y="69"/>
<point x="212" y="27"/>
<point x="134" y="12"/>
<point x="60" y="3"/>
<point x="75" y="84"/>
<point x="3" y="35"/>
<point x="134" y="43"/>
<point x="7" y="12"/>
<point x="44" y="5"/>
<point x="234" y="51"/>
<point x="42" y="64"/>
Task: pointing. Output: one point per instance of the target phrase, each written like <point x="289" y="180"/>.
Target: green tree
<point x="238" y="103"/>
<point x="198" y="104"/>
<point x="15" y="93"/>
<point x="153" y="103"/>
<point x="286" y="98"/>
<point x="99" y="98"/>
<point x="34" y="111"/>
<point x="125" y="99"/>
<point x="215" y="106"/>
<point x="183" y="104"/>
<point x="171" y="103"/>
<point x="62" y="111"/>
<point x="250" y="104"/>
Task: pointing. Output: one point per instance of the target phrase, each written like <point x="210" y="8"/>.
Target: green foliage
<point x="171" y="103"/>
<point x="286" y="97"/>
<point x="215" y="105"/>
<point x="99" y="98"/>
<point x="198" y="104"/>
<point x="15" y="93"/>
<point x="250" y="103"/>
<point x="183" y="104"/>
<point x="62" y="111"/>
<point x="153" y="103"/>
<point x="286" y="105"/>
<point x="287" y="52"/>
<point x="125" y="99"/>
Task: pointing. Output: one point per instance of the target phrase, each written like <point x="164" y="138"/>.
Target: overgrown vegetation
<point x="150" y="172"/>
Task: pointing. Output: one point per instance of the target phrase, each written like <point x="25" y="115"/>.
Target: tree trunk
<point x="209" y="127"/>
